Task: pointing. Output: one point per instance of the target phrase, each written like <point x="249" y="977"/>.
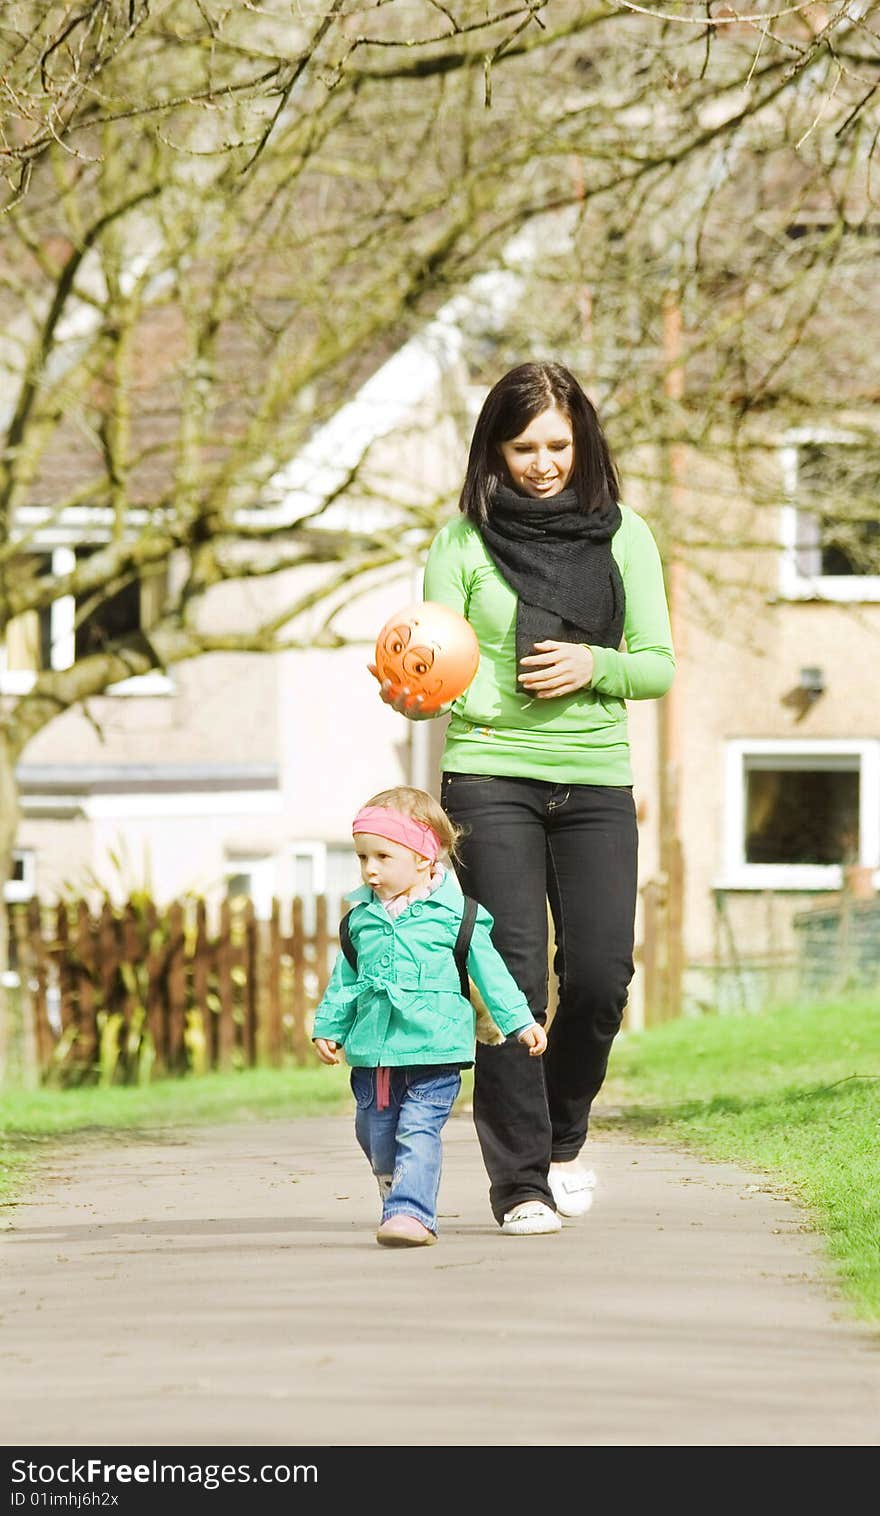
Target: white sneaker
<point x="572" y="1189"/>
<point x="530" y="1218"/>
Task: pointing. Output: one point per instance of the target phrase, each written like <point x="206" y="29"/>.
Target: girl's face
<point x="389" y="868"/>
<point x="540" y="461"/>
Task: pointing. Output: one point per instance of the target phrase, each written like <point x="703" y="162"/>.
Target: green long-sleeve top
<point x="495" y="728"/>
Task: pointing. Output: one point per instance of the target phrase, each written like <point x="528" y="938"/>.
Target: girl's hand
<point x="401" y="700"/>
<point x="535" y="1039"/>
<point x="327" y="1051"/>
<point x="556" y="668"/>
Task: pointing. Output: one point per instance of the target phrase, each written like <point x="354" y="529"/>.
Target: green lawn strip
<point x="793" y="1093"/>
<point x="31" y="1119"/>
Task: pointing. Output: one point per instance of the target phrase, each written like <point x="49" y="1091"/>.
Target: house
<point x="780" y="715"/>
<point x="240" y="772"/>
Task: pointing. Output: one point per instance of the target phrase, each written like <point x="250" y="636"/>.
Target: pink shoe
<point x="404" y="1232"/>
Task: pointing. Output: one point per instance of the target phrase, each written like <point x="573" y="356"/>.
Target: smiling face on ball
<point x="430" y="650"/>
<point x="407" y="662"/>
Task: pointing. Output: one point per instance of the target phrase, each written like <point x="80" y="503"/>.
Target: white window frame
<point x="22" y="889"/>
<point x="62" y="638"/>
<point x="317" y="851"/>
<point x="796" y="753"/>
<point x="793" y="583"/>
<point x="262" y="872"/>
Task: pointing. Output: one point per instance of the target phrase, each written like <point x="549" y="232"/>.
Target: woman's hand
<point x="327" y="1051"/>
<point x="535" y="1039"/>
<point x="556" y="668"/>
<point x="401" y="700"/>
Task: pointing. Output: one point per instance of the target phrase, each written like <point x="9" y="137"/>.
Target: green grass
<point x="30" y="1119"/>
<point x="793" y="1093"/>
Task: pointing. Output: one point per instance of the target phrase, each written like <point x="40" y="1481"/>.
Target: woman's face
<point x="540" y="461"/>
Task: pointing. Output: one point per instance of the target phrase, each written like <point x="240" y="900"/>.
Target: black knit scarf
<point x="559" y="560"/>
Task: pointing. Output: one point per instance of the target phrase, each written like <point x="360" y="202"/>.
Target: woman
<point x="553" y="573"/>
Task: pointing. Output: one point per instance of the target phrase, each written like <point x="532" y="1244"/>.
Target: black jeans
<point x="527" y="841"/>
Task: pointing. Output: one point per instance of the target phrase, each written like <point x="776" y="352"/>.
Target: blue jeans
<point x="402" y="1142"/>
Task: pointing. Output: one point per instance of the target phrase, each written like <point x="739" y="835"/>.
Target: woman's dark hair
<point x="521" y="395"/>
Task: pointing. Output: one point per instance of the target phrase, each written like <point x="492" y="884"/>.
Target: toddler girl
<point x="401" y="1016"/>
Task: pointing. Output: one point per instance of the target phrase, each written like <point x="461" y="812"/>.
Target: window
<point x="809" y="815"/>
<point x="29" y="636"/>
<point x="113" y="617"/>
<point x="22" y="882"/>
<point x="71" y="627"/>
<point x="255" y="878"/>
<point x="343" y="875"/>
<point x="323" y="868"/>
<point x="27" y="646"/>
<point x="830" y="527"/>
<point x="796" y="812"/>
<point x="134" y="607"/>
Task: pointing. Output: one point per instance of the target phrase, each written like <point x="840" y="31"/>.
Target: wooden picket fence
<point x="135" y="992"/>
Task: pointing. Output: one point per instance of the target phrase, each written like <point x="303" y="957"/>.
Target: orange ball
<point x="429" y="650"/>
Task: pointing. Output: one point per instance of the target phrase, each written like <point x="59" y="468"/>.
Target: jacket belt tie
<point x="383" y="1087"/>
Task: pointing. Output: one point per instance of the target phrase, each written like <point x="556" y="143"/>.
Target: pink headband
<point x="381" y="821"/>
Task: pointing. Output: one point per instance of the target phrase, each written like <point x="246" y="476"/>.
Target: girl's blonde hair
<point x="421" y="807"/>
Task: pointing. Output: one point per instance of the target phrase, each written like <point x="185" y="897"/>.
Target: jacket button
<point x="417" y="910"/>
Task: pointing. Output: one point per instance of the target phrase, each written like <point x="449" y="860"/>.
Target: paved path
<point x="222" y="1286"/>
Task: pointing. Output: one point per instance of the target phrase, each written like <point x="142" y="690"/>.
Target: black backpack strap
<point x="346" y="943"/>
<point x="463" y="943"/>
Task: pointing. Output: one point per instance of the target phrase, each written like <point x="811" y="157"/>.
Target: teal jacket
<point x="404" y="1005"/>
